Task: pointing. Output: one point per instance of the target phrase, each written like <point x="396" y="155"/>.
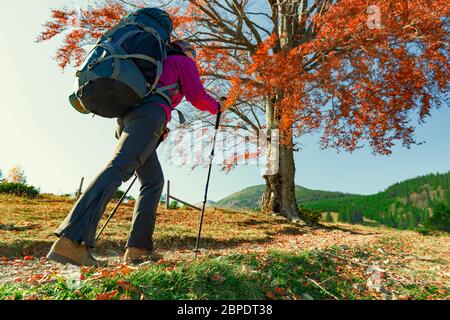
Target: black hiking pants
<point x="138" y="133"/>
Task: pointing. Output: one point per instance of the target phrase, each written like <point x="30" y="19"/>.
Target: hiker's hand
<point x="165" y="134"/>
<point x="221" y="103"/>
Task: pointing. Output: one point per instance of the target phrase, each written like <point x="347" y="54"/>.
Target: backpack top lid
<point x="159" y="15"/>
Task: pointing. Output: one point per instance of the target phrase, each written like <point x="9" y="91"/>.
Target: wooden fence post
<point x="168" y="195"/>
<point x="80" y="189"/>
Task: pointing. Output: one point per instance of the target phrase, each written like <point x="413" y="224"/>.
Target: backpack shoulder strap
<point x="181" y="116"/>
<point x="162" y="48"/>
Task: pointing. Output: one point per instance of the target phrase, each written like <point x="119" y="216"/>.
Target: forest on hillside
<point x="250" y="198"/>
<point x="418" y="202"/>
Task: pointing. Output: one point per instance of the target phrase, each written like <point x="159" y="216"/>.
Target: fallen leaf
<point x="170" y="268"/>
<point x="124" y="285"/>
<point x="218" y="278"/>
<point x="280" y="291"/>
<point x="270" y="295"/>
<point x="107" y="295"/>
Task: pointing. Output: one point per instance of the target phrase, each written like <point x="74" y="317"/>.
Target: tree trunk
<point x="289" y="206"/>
<point x="279" y="196"/>
<point x="271" y="199"/>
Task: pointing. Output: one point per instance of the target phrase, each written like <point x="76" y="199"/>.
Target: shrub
<point x="174" y="205"/>
<point x="310" y="216"/>
<point x="423" y="231"/>
<point x="119" y="194"/>
<point x="329" y="217"/>
<point x="356" y="218"/>
<point x="440" y="219"/>
<point x="18" y="189"/>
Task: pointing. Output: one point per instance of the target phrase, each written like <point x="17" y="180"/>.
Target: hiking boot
<point x="66" y="251"/>
<point x="137" y="256"/>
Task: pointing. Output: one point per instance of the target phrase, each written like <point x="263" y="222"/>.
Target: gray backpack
<point x="125" y="66"/>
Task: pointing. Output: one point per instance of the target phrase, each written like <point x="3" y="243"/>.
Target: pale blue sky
<point x="57" y="146"/>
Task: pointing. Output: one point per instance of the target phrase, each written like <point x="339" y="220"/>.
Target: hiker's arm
<point x="193" y="88"/>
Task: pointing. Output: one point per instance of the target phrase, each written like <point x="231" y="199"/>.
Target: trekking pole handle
<point x="219" y="114"/>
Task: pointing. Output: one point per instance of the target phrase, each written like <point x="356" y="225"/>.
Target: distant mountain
<point x="210" y="203"/>
<point x="404" y="205"/>
<point x="250" y="198"/>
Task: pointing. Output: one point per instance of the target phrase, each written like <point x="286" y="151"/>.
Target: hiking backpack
<point x="125" y="65"/>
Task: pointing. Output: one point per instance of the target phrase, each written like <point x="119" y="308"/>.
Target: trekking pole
<point x="122" y="199"/>
<point x="115" y="209"/>
<point x="205" y="201"/>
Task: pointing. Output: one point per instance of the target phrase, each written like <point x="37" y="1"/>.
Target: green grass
<point x="278" y="275"/>
<point x="248" y="256"/>
<point x="319" y="274"/>
<point x="271" y="275"/>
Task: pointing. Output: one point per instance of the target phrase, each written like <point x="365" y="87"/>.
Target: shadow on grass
<point x="255" y="222"/>
<point x="40" y="248"/>
<point x="106" y="247"/>
<point x="168" y="240"/>
<point x="286" y="228"/>
<point x="21" y="248"/>
<point x="339" y="228"/>
<point x="182" y="242"/>
<point x="372" y="224"/>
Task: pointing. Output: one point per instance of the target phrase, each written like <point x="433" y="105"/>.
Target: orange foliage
<point x="81" y="27"/>
<point x="353" y="82"/>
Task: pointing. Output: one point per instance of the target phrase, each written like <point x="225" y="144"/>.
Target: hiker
<point x="139" y="133"/>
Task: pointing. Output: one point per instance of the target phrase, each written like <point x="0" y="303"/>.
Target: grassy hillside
<point x="250" y="198"/>
<point x="405" y="205"/>
<point x="244" y="256"/>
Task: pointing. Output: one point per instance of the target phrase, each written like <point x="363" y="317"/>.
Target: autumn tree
<point x="353" y="71"/>
<point x="16" y="175"/>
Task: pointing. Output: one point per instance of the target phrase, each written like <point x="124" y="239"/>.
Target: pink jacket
<point x="183" y="70"/>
